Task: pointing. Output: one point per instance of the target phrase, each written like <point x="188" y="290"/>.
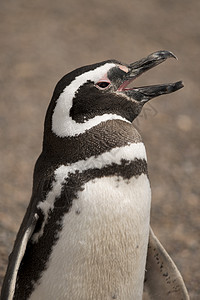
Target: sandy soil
<point x="43" y="40"/>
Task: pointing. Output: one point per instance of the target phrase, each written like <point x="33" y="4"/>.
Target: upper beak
<point x="144" y="94"/>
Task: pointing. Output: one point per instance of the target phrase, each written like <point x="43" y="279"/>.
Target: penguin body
<point x="86" y="230"/>
<point x="109" y="217"/>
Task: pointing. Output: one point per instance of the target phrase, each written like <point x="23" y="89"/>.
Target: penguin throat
<point x="70" y="127"/>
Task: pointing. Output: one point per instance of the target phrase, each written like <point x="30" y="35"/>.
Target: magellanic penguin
<point x="86" y="230"/>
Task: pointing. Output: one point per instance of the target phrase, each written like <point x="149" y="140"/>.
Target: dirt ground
<point x="43" y="40"/>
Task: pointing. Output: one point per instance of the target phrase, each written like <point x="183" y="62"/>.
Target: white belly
<point x="101" y="251"/>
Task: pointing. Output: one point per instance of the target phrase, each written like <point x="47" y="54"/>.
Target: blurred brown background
<point x="41" y="40"/>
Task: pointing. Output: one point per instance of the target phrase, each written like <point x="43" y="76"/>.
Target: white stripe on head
<point x="115" y="155"/>
<point x="62" y="123"/>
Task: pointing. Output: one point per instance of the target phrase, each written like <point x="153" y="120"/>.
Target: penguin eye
<point x="102" y="84"/>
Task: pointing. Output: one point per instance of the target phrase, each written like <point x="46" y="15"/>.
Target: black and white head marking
<point x="97" y="93"/>
<point x="70" y="120"/>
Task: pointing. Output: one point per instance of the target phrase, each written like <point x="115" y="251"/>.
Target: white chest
<point x="101" y="251"/>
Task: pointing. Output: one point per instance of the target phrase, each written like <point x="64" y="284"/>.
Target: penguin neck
<point x="99" y="139"/>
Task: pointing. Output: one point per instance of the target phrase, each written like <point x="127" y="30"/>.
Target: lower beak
<point x="145" y="93"/>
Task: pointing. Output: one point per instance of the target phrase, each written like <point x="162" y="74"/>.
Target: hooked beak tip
<point x="163" y="54"/>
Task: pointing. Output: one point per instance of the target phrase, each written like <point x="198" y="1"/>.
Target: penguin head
<point x="97" y="93"/>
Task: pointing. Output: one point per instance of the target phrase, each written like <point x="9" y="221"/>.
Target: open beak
<point x="145" y="93"/>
